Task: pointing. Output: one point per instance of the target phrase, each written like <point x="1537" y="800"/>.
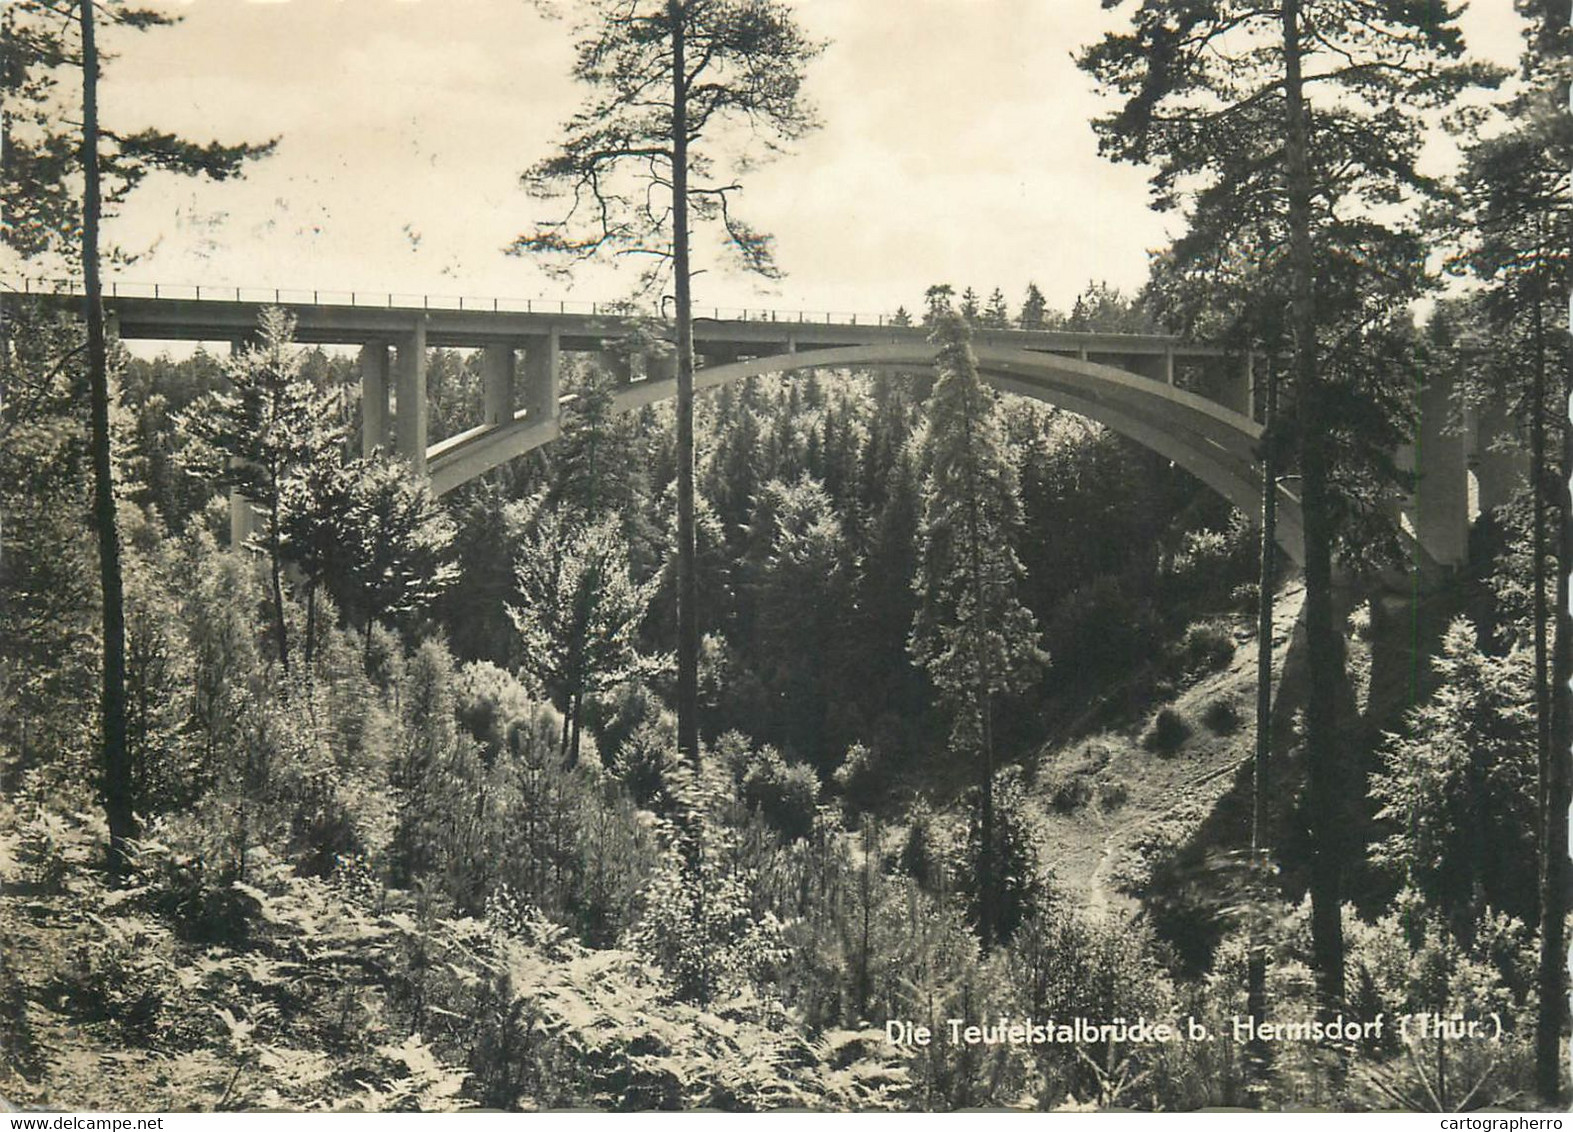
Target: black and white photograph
<point x="757" y="555"/>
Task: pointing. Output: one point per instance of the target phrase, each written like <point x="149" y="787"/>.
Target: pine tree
<point x="667" y="75"/>
<point x="1458" y="789"/>
<point x="1514" y="214"/>
<point x="996" y="316"/>
<point x="894" y="694"/>
<point x="596" y="465"/>
<point x="49" y="600"/>
<point x="938" y="300"/>
<point x="399" y="543"/>
<point x="578" y="615"/>
<point x="1299" y="118"/>
<point x="269" y="425"/>
<point x="44" y="154"/>
<point x="1034" y="310"/>
<point x="804" y="592"/>
<point x="971" y="633"/>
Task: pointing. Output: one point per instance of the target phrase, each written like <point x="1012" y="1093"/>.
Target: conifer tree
<point x="1514" y="215"/>
<point x="666" y="77"/>
<point x="971" y="632"/>
<point x="996" y="316"/>
<point x="1034" y="309"/>
<point x="44" y="156"/>
<point x="399" y="542"/>
<point x="578" y="615"/>
<point x="270" y="424"/>
<point x="1302" y="119"/>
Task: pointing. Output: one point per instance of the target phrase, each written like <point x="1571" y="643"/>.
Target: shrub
<point x="1017" y="885"/>
<point x="921" y="855"/>
<point x="1221" y="717"/>
<point x="1113" y="793"/>
<point x="860" y="778"/>
<point x="1071" y="793"/>
<point x="1168" y="733"/>
<point x="1207" y="646"/>
<point x="785" y="793"/>
<point x="642" y="760"/>
<point x="1070" y="785"/>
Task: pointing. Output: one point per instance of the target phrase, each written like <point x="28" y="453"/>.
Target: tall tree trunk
<point x="1323" y="646"/>
<point x="1256" y="963"/>
<point x="1541" y="488"/>
<point x="311" y="623"/>
<point x="575" y="709"/>
<point x="687" y="579"/>
<point x="1557" y="795"/>
<point x="275" y="553"/>
<point x="687" y="583"/>
<point x="116" y="786"/>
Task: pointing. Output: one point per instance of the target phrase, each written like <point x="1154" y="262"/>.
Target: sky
<point x="955" y="147"/>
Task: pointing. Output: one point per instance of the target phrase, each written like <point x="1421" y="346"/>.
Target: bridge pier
<point x="373" y="397"/>
<point x="541" y="353"/>
<point x="1499" y="472"/>
<point x="242" y="515"/>
<point x="660" y="365"/>
<point x="1439" y="508"/>
<point x="412" y="418"/>
<point x="497" y="364"/>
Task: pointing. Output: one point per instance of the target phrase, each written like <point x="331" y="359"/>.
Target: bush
<point x="1221" y="718"/>
<point x="860" y="778"/>
<point x="1069" y="794"/>
<point x="1070" y="785"/>
<point x="785" y="793"/>
<point x="1113" y="793"/>
<point x="1207" y="646"/>
<point x="1168" y="733"/>
<point x="922" y="856"/>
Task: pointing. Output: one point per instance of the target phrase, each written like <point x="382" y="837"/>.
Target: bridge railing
<point x="302" y="296"/>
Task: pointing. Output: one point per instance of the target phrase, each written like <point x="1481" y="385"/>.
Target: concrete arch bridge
<point x="1193" y="404"/>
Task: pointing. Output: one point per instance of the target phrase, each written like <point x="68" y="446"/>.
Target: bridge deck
<point x="219" y="319"/>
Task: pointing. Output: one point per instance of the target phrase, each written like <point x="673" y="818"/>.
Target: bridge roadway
<point x="1193" y="404"/>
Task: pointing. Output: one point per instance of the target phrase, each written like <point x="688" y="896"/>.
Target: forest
<point x="698" y="758"/>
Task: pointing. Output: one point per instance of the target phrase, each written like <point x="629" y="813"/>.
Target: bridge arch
<point x="1213" y="443"/>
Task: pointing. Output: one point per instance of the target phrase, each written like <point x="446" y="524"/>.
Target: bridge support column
<point x="1242" y="394"/>
<point x="540" y="377"/>
<point x="1498" y="472"/>
<point x="411" y="421"/>
<point x="1440" y="507"/>
<point x="373" y="397"/>
<point x="660" y="365"/>
<point x="242" y="515"/>
<point x="497" y="370"/>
